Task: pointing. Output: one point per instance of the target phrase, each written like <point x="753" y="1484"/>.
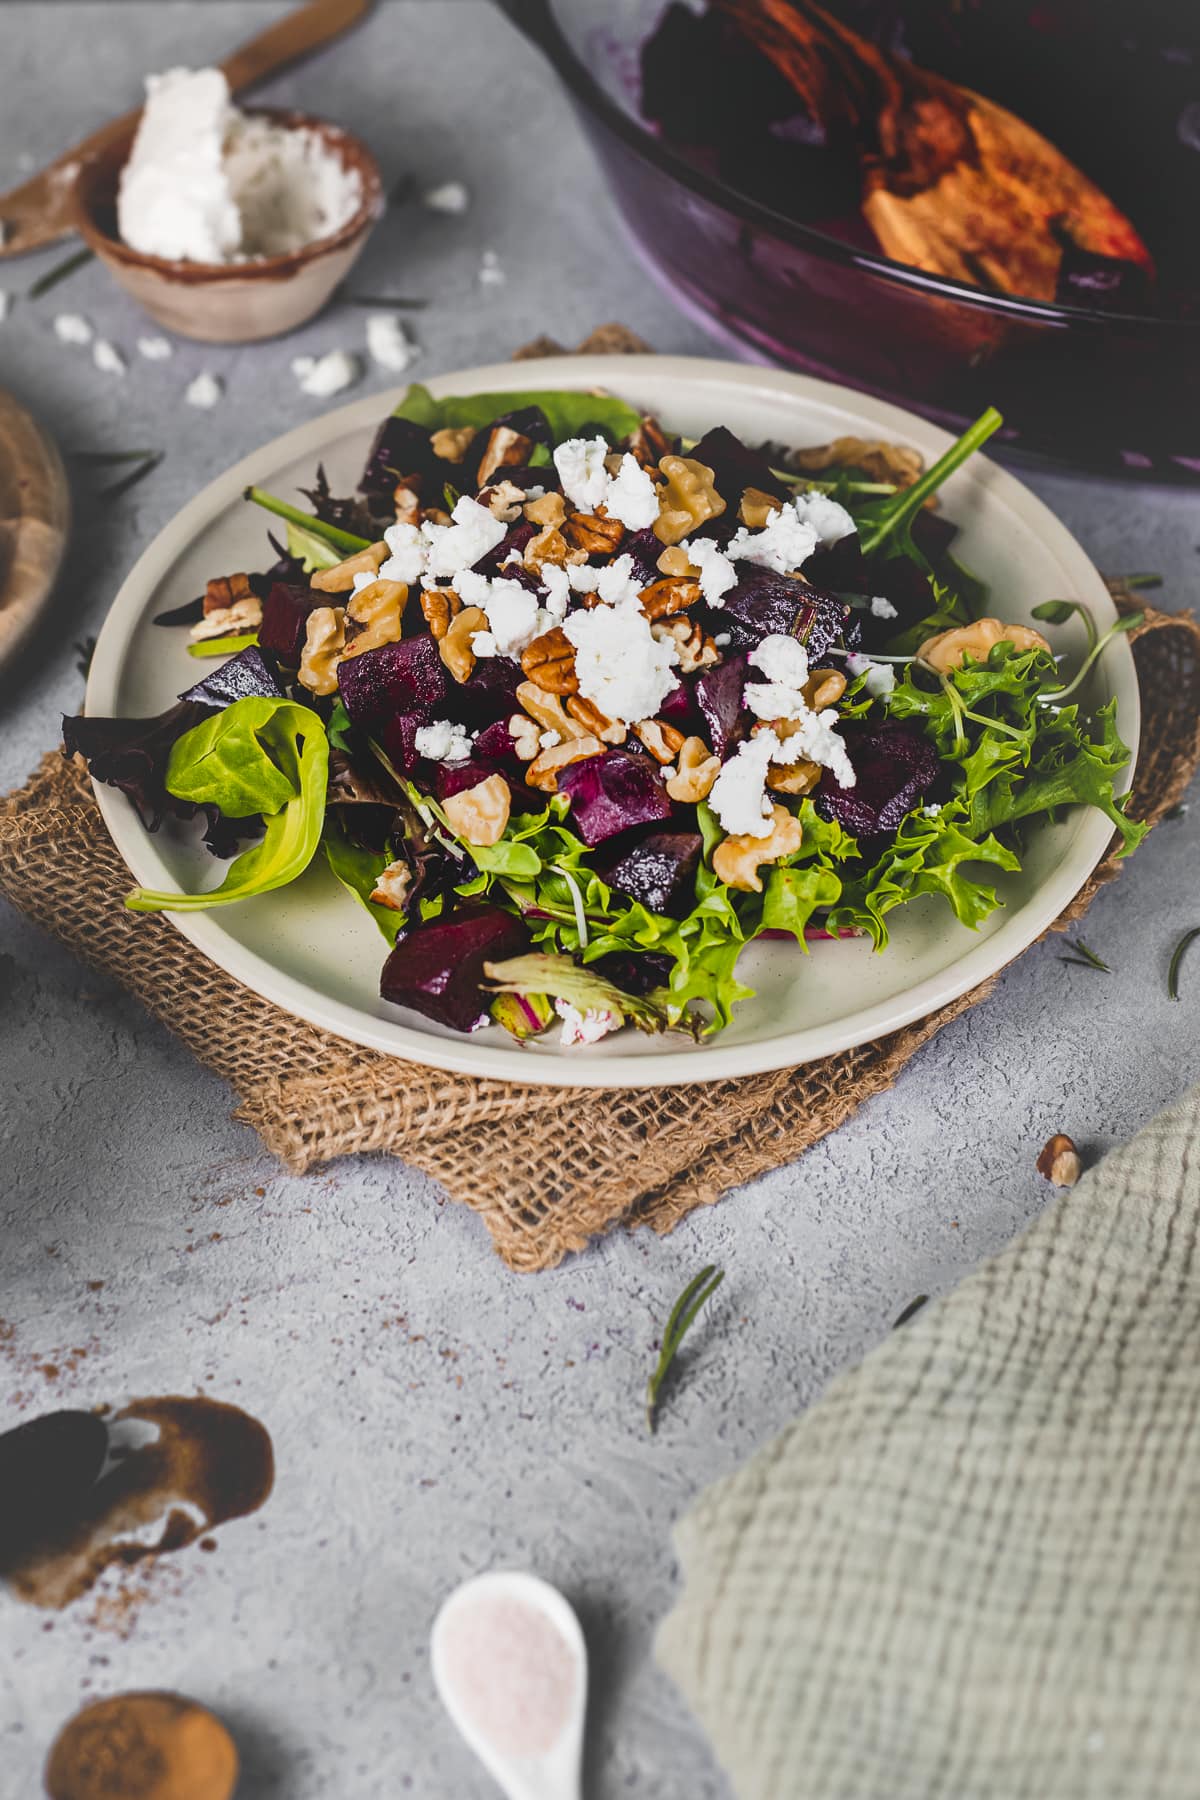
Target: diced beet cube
<point x="610" y="793"/>
<point x="285" y="620"/>
<point x="511" y="544"/>
<point x="456" y="778"/>
<point x="399" y="740"/>
<point x="736" y="467"/>
<point x="437" y="969"/>
<point x="719" y="692"/>
<point x="893" y="766"/>
<point x="495" y="742"/>
<point x="659" y="870"/>
<point x="764" y="604"/>
<point x="490" y="693"/>
<point x="408" y="677"/>
<point x="678" y="709"/>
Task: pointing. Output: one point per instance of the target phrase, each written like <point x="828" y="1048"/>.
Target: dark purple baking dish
<point x="1092" y="388"/>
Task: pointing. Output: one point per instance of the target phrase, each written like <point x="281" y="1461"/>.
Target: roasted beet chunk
<point x="246" y="674"/>
<point x="402" y="448"/>
<point x="408" y="677"/>
<point x="612" y="792"/>
<point x="285" y="620"/>
<point x="491" y="692"/>
<point x="764" y="603"/>
<point x="736" y="467"/>
<point x="894" y="767"/>
<point x="719" y="693"/>
<point x="437" y="969"/>
<point x="660" y="871"/>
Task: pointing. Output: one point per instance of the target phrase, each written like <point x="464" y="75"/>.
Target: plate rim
<point x="718" y="1061"/>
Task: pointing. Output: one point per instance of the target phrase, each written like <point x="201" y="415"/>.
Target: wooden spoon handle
<point x="38" y="212"/>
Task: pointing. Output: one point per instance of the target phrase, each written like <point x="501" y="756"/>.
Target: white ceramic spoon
<point x="553" y="1770"/>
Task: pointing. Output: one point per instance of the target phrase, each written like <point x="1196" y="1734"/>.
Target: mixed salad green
<point x="577" y="709"/>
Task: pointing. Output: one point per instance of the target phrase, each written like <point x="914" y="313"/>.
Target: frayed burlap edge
<point x="634" y="1156"/>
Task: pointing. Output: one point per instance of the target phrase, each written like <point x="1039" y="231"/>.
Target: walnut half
<point x="737" y="860"/>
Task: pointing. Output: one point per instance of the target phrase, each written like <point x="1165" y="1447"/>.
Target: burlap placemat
<point x="542" y="1186"/>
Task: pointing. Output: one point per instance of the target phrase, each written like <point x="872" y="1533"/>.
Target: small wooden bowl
<point x="229" y="303"/>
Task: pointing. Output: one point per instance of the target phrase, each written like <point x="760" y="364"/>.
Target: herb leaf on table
<point x="700" y="1289"/>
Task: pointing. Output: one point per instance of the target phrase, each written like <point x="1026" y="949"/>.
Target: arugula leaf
<point x="359" y="870"/>
<point x="339" y="729"/>
<point x="257" y="756"/>
<point x="311" y="552"/>
<point x="1066" y="768"/>
<point x="569" y="413"/>
<point x="927" y="856"/>
<point x="807" y="880"/>
<point x="885" y="524"/>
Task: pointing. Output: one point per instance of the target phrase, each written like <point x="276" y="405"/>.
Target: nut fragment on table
<point x="1059" y="1161"/>
<point x="479" y="814"/>
<point x="340" y="579"/>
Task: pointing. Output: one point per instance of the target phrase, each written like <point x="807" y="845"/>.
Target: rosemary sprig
<point x="910" y="1311"/>
<point x="702" y="1287"/>
<point x="102" y="458"/>
<point x="1084" y="958"/>
<point x="1188" y="937"/>
<point x="59" y="272"/>
<point x="123" y="485"/>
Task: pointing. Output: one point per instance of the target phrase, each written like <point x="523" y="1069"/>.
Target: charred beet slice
<point x="893" y="766"/>
<point x="764" y="603"/>
<point x="660" y="871"/>
<point x="719" y="692"/>
<point x="437" y="969"/>
<point x="244" y="675"/>
<point x="613" y="792"/>
<point x="285" y="620"/>
<point x="408" y="677"/>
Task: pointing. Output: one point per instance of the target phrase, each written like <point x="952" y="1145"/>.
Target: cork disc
<point x="35" y="511"/>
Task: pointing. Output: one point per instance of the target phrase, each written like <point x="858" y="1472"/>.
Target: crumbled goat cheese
<point x="785" y="542"/>
<point x="460" y="546"/>
<point x="4" y="299"/>
<point x="155" y="349"/>
<point x="389" y="342"/>
<point x="108" y="358"/>
<point x="443" y="741"/>
<point x="631" y="496"/>
<point x="490" y="272"/>
<point x="328" y="374"/>
<point x="513" y="614"/>
<point x="587" y="1027"/>
<point x="615" y="583"/>
<point x="722" y="640"/>
<point x="450" y="197"/>
<point x="813" y="738"/>
<point x="717" y="573"/>
<point x="580" y="465"/>
<point x="621" y="667"/>
<point x="882" y="608"/>
<point x="828" y="518"/>
<point x="558" y="590"/>
<point x="739" y="794"/>
<point x="207" y="183"/>
<point x="205" y="390"/>
<point x="406" y="562"/>
<point x="72" y="328"/>
<point x="932" y="810"/>
<point x="880" y="678"/>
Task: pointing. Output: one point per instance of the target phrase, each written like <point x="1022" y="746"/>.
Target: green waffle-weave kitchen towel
<point x="972" y="1570"/>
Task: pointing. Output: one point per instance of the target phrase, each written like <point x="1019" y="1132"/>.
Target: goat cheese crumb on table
<point x="490" y="272"/>
<point x="322" y="376"/>
<point x="72" y="328"/>
<point x="204" y="391"/>
<point x="155" y="349"/>
<point x="107" y="358"/>
<point x="389" y="342"/>
<point x="4" y="303"/>
<point x="449" y="197"/>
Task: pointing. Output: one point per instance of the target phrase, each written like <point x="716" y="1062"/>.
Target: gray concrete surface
<point x="432" y="1414"/>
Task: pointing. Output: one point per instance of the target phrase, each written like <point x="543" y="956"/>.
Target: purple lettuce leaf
<point x="437" y="969"/>
<point x="248" y="673"/>
<point x="612" y="793"/>
<point x="131" y="754"/>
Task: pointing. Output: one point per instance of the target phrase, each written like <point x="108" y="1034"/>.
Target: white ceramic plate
<point x="313" y="951"/>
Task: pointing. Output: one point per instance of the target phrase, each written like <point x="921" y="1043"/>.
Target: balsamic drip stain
<point x="209" y="1456"/>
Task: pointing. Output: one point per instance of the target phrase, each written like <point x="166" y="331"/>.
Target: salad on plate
<point x="576" y="709"/>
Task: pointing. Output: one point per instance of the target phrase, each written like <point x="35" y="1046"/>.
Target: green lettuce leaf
<point x="359" y="870"/>
<point x="564" y="979"/>
<point x="570" y="414"/>
<point x="312" y="552"/>
<point x="257" y="756"/>
<point x="929" y="855"/>
<point x="223" y="646"/>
